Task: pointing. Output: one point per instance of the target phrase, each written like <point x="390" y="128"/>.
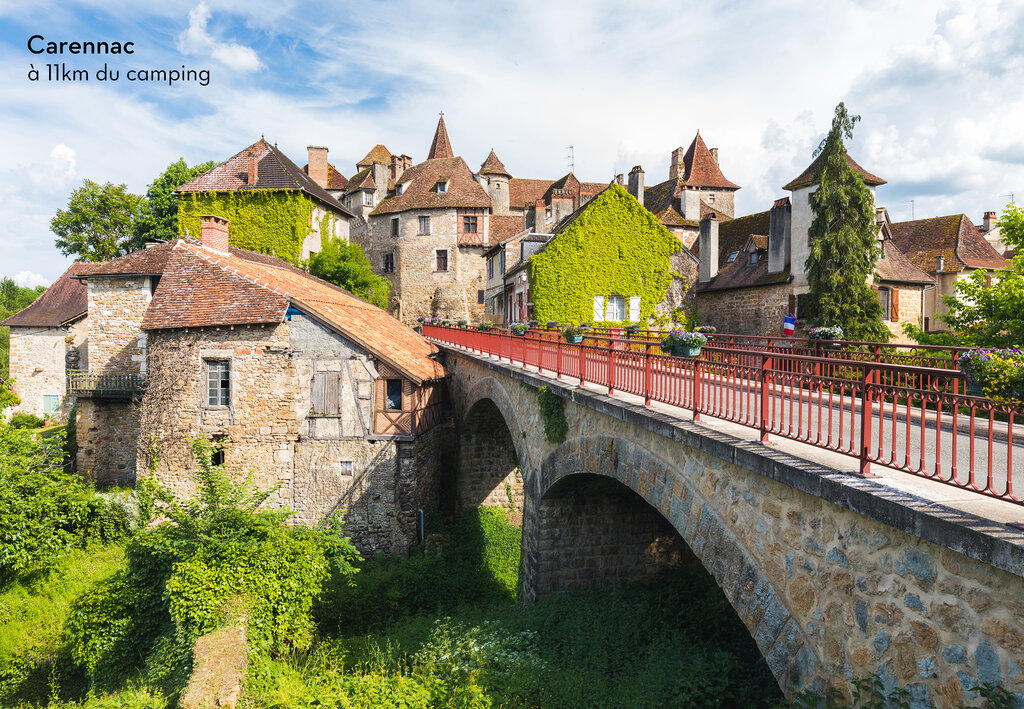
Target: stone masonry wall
<point x="909" y="311"/>
<point x="746" y="311"/>
<point x="107" y="433"/>
<point x="117" y="305"/>
<point x="828" y="593"/>
<point x="37" y="366"/>
<point x="488" y="471"/>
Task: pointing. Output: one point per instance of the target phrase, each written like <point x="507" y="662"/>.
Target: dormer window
<point x="752" y="258"/>
<point x="442" y="187"/>
<point x="732" y="256"/>
<point x="368" y="199"/>
<point x="399" y="189"/>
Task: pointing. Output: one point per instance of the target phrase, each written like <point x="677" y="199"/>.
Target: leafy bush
<point x="683" y="338"/>
<point x="25" y="420"/>
<point x="998" y="373"/>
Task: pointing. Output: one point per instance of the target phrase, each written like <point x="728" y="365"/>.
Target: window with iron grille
<point x="389" y="263"/>
<point x="469" y="225"/>
<point x="442" y="260"/>
<point x="218" y="382"/>
<point x="424" y="225"/>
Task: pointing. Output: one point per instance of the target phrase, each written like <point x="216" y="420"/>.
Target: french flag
<point x="789" y="325"/>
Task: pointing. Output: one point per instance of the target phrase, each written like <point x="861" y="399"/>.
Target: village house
<point x="49" y="340"/>
<point x="274" y="206"/>
<point x="290" y="378"/>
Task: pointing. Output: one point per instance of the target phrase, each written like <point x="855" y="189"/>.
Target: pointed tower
<point x="495" y="179"/>
<point x="441" y="147"/>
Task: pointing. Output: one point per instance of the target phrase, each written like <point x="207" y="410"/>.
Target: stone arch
<point x="673" y="490"/>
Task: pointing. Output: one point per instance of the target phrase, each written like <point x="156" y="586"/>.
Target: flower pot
<point x="574" y="339"/>
<point x="667" y="349"/>
<point x="685" y="351"/>
<point x="829" y="344"/>
<point x="484" y="329"/>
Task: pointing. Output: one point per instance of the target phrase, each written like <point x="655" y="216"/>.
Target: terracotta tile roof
<point x="67" y="299"/>
<point x="378" y="154"/>
<point x="419" y="188"/>
<point x="953" y="237"/>
<point x="274" y="172"/>
<point x="440" y="147"/>
<point x="701" y="168"/>
<point x="335" y="180"/>
<point x="148" y="261"/>
<point x="503" y="227"/>
<point x="523" y="191"/>
<point x="809" y="176"/>
<point x="492" y="166"/>
<point x="362" y="180"/>
<point x="895" y="266"/>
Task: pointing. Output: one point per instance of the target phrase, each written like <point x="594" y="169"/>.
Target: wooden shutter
<point x="327" y="393"/>
<point x="634" y="308"/>
<point x="894" y="304"/>
<point x="792" y="304"/>
<point x="598" y="308"/>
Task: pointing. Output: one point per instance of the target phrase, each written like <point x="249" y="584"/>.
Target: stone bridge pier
<point x="836" y="578"/>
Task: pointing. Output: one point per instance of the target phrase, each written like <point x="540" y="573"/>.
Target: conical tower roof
<point x="492" y="166"/>
<point x="441" y="147"/>
<point x="702" y="169"/>
<point x="810" y="176"/>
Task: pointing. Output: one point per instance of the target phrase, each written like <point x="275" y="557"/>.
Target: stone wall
<point x="835" y="577"/>
<point x="910" y="300"/>
<point x="338" y="227"/>
<point x="682" y="292"/>
<point x="488" y="472"/>
<point x="38" y="357"/>
<point x="107" y="433"/>
<point x="117" y="305"/>
<point x="746" y="311"/>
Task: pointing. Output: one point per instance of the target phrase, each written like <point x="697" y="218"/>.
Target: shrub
<point x="485" y="325"/>
<point x="519" y="328"/>
<point x="25" y="420"/>
<point x="706" y="329"/>
<point x="999" y="373"/>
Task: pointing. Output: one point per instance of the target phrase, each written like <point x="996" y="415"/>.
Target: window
<point x="389" y="263"/>
<point x="399" y="189"/>
<point x="153" y="282"/>
<point x="469" y="225"/>
<point x="711" y="198"/>
<point x="501" y="261"/>
<point x="345" y="468"/>
<point x="490" y="268"/>
<point x="368" y="199"/>
<point x="442" y="260"/>
<point x="424" y="225"/>
<point x="393" y="395"/>
<point x="394" y="227"/>
<point x="802" y="302"/>
<point x="752" y="258"/>
<point x="885" y="299"/>
<point x="51" y="403"/>
<point x="219" y="448"/>
<point x="442" y="187"/>
<point x="326" y="395"/>
<point x="479" y="297"/>
<point x="732" y="256"/>
<point x="218" y="379"/>
<point x="616" y="308"/>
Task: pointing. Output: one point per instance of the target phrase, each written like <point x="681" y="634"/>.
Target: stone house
<point x="274" y="206"/>
<point x="759" y="277"/>
<point x="948" y="249"/>
<point x="610" y="261"/>
<point x="48" y="340"/>
<point x="294" y="380"/>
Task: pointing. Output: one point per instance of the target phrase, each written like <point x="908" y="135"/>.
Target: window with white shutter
<point x="598" y="308"/>
<point x="634" y="308"/>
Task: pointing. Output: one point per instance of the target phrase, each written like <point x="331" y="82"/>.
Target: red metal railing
<point x="909" y="418"/>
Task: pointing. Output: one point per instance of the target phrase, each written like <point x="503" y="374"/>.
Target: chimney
<point x="939" y="263"/>
<point x="215" y="233"/>
<point x="989" y="221"/>
<point x="254" y="169"/>
<point x="539" y="225"/>
<point x="675" y="164"/>
<point x="689" y="204"/>
<point x="561" y="205"/>
<point x="714" y="154"/>
<point x="636" y="183"/>
<point x="620" y="179"/>
<point x="317" y="164"/>
<point x="708" y="248"/>
<point x="779" y="236"/>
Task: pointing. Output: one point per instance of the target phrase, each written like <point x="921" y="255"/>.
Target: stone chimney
<point x="399" y="164"/>
<point x="636" y="183"/>
<point x="708" y="248"/>
<point x="539" y="222"/>
<point x="689" y="204"/>
<point x="254" y="169"/>
<point x="317" y="164"/>
<point x="620" y="179"/>
<point x="675" y="164"/>
<point x="779" y="222"/>
<point x="714" y="154"/>
<point x="214" y="233"/>
<point x="561" y="205"/>
<point x="939" y="264"/>
<point x="989" y="221"/>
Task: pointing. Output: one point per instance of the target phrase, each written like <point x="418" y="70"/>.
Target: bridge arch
<point x="670" y="491"/>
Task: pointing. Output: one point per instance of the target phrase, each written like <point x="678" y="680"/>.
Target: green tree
<point x="992" y="316"/>
<point x="158" y="219"/>
<point x="844" y="242"/>
<point x="99" y="223"/>
<point x="346" y="265"/>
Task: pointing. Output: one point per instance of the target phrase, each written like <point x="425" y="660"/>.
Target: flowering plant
<point x="574" y="331"/>
<point x="519" y="328"/>
<point x="826" y="332"/>
<point x="552" y="323"/>
<point x="999" y="373"/>
<point x="682" y="338"/>
<point x="462" y="323"/>
<point x="484" y="325"/>
<point x="707" y="329"/>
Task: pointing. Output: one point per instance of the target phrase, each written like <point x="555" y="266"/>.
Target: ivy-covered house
<point x="611" y="261"/>
<point x="274" y="206"/>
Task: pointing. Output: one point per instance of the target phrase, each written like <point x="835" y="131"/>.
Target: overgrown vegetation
<point x="552" y="412"/>
<point x="346" y="265"/>
<point x="158" y="218"/>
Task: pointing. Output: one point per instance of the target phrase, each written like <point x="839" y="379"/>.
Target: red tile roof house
<point x="48" y="339"/>
<point x="306" y="385"/>
<point x="752" y="268"/>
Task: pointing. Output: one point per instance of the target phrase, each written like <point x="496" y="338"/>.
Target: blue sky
<point x="937" y="84"/>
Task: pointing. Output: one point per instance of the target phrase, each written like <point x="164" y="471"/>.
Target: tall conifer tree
<point x="844" y="242"/>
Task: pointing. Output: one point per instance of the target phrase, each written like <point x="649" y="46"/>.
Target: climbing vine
<point x="552" y="411"/>
<point x="268" y="221"/>
<point x="614" y="247"/>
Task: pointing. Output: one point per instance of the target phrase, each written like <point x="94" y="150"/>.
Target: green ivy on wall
<point x="614" y="247"/>
<point x="552" y="411"/>
<point x="268" y="221"/>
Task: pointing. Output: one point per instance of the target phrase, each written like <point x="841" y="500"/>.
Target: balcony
<point x="105" y="385"/>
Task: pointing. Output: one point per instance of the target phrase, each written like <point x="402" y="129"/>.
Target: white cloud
<point x="62" y="161"/>
<point x="197" y="40"/>
<point x="28" y="279"/>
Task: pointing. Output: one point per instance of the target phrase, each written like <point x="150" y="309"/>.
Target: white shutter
<point x="598" y="308"/>
<point x="634" y="308"/>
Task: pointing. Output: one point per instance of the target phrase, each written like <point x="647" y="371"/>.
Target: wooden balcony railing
<point x="108" y="385"/>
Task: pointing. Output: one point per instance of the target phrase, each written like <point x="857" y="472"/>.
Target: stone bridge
<point x="835" y="577"/>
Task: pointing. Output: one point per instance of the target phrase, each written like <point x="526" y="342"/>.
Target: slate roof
<point x="492" y="166"/>
<point x="663" y="198"/>
<point x="953" y="237"/>
<point x="419" y="189"/>
<point x="201" y="288"/>
<point x="701" y="168"/>
<point x="378" y="154"/>
<point x="809" y="176"/>
<point x="734" y="235"/>
<point x="274" y="172"/>
<point x="440" y="147"/>
<point x="66" y="300"/>
<point x="335" y="180"/>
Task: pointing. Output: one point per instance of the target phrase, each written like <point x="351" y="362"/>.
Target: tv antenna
<point x="1008" y="195"/>
<point x="571" y="157"/>
<point x="911" y="203"/>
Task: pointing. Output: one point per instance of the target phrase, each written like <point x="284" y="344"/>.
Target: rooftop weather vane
<point x="571" y="157"/>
